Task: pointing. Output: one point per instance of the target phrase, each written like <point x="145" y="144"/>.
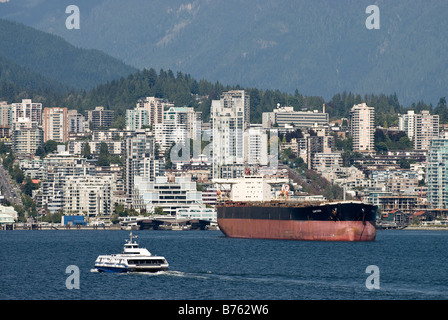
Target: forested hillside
<point x="317" y="47"/>
<point x="14" y="78"/>
<point x="184" y="90"/>
<point x="49" y="70"/>
<point x="36" y="60"/>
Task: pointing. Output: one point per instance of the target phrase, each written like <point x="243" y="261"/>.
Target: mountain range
<point x="34" y="59"/>
<point x="318" y="47"/>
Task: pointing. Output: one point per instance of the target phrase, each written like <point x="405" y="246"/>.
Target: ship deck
<point x="283" y="203"/>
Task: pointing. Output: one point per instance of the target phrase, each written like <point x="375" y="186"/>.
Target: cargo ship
<point x="249" y="210"/>
<point x="291" y="220"/>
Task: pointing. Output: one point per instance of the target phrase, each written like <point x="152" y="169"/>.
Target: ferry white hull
<point x="132" y="259"/>
<point x="113" y="269"/>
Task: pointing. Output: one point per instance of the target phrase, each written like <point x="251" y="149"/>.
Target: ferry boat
<point x="132" y="259"/>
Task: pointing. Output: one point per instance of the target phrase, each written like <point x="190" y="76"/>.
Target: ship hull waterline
<point x="353" y="222"/>
<point x="130" y="270"/>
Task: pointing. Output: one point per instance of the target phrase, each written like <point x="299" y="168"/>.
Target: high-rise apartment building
<point x="154" y="107"/>
<point x="179" y="125"/>
<point x="100" y="118"/>
<point x="229" y="117"/>
<point x="26" y="111"/>
<point x="5" y="120"/>
<point x="362" y="127"/>
<point x="437" y="172"/>
<point x="27" y="140"/>
<point x="89" y="195"/>
<point x="406" y="123"/>
<point x="421" y="128"/>
<point x="149" y="111"/>
<point x="5" y="114"/>
<point x="136" y="119"/>
<point x="186" y="116"/>
<point x="255" y="147"/>
<point x="76" y="122"/>
<point x="55" y="124"/>
<point x="139" y="160"/>
<point x="26" y="122"/>
<point x="56" y="168"/>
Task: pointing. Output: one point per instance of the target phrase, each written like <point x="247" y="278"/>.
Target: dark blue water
<point x="206" y="265"/>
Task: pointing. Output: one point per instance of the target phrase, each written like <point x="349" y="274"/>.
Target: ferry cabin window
<point x="145" y="262"/>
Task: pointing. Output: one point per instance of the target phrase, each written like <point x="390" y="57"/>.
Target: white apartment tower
<point x="154" y="107"/>
<point x="89" y="195"/>
<point x="139" y="160"/>
<point x="26" y="111"/>
<point x="76" y="122"/>
<point x="136" y="118"/>
<point x="362" y="127"/>
<point x="406" y="123"/>
<point x="255" y="147"/>
<point x="229" y="117"/>
<point x="26" y="140"/>
<point x="179" y="125"/>
<point x="421" y="128"/>
<point x="437" y="172"/>
<point x="55" y="124"/>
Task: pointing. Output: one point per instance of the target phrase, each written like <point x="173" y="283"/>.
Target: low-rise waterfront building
<point x="168" y="195"/>
<point x="197" y="213"/>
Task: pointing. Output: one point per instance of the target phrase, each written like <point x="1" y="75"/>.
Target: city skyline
<point x="146" y="145"/>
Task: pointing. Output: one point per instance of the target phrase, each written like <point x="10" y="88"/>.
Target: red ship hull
<point x="299" y="230"/>
<point x="337" y="221"/>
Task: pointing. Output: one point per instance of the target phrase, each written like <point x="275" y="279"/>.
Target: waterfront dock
<point x="145" y="224"/>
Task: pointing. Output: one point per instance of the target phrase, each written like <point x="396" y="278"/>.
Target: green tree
<point x="50" y="146"/>
<point x="4" y="149"/>
<point x="86" y="151"/>
<point x="104" y="156"/>
<point x="29" y="186"/>
<point x="406" y="163"/>
<point x="119" y="122"/>
<point x="9" y="161"/>
<point x="40" y="152"/>
<point x="381" y="148"/>
<point x="17" y="174"/>
<point x="159" y="211"/>
<point x="442" y="110"/>
<point x="119" y="209"/>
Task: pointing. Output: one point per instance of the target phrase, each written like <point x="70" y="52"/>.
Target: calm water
<point x="206" y="265"/>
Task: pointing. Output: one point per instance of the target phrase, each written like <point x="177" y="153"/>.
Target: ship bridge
<point x="248" y="188"/>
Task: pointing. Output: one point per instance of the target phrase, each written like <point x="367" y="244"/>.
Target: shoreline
<point x="89" y="228"/>
<point x="119" y="227"/>
<point x="435" y="228"/>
